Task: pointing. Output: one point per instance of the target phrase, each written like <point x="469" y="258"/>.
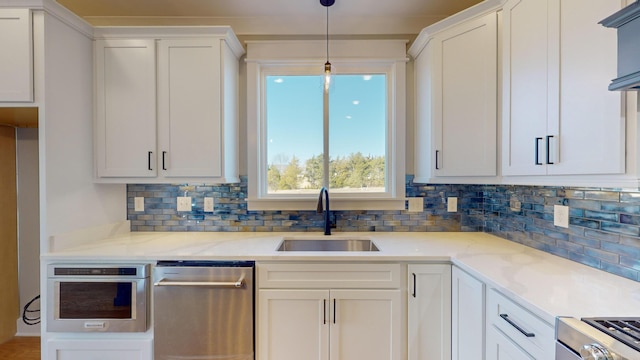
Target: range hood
<point x="627" y="21"/>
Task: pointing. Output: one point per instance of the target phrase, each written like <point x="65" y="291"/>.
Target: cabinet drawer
<point x="103" y="349"/>
<point x="533" y="334"/>
<point x="334" y="276"/>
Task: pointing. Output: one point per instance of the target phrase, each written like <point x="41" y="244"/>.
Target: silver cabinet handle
<point x="523" y="331"/>
<point x="218" y="284"/>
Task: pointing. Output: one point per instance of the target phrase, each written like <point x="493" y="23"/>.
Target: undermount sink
<point x="327" y="244"/>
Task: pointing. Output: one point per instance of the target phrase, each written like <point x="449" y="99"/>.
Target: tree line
<point x="353" y="171"/>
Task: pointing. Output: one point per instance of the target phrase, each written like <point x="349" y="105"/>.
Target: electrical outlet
<point x="416" y="204"/>
<point x="138" y="203"/>
<point x="561" y="216"/>
<point x="184" y="203"/>
<point x="208" y="204"/>
<point x="452" y="204"/>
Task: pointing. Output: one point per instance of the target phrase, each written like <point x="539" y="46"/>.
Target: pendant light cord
<point x="327" y="33"/>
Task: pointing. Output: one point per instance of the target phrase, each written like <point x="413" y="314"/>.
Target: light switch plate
<point x="561" y="216"/>
<point x="138" y="203"/>
<point x="416" y="204"/>
<point x="452" y="204"/>
<point x="208" y="204"/>
<point x="184" y="203"/>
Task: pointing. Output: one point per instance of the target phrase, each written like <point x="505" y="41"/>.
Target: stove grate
<point x="626" y="330"/>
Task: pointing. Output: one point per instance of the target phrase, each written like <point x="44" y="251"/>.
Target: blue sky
<point x="294" y="111"/>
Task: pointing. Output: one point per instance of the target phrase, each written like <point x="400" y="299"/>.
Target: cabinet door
<point x="365" y="324"/>
<point x="465" y="99"/>
<point x="525" y="83"/>
<point x="125" y="108"/>
<point x="429" y="312"/>
<point x="499" y="347"/>
<point x="99" y="349"/>
<point x="467" y="316"/>
<point x="293" y="325"/>
<point x="189" y="103"/>
<point x="16" y="57"/>
<point x="591" y="122"/>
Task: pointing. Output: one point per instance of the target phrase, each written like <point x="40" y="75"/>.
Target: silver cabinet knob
<point x="595" y="352"/>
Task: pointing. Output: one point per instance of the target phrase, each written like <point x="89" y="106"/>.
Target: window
<point x="287" y="137"/>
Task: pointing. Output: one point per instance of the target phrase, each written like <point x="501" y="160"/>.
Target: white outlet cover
<point x="208" y="204"/>
<point x="416" y="204"/>
<point x="561" y="216"/>
<point x="452" y="204"/>
<point x="184" y="203"/>
<point x="138" y="203"/>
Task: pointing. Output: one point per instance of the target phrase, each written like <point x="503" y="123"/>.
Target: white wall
<point x="28" y="220"/>
<point x="71" y="200"/>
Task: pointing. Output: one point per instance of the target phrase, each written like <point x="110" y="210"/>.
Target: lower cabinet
<point x="429" y="312"/>
<point x="499" y="346"/>
<point x="317" y="312"/>
<point x="102" y="349"/>
<point x="467" y="316"/>
<point x="515" y="333"/>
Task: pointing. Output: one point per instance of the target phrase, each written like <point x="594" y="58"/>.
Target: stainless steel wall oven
<point x="107" y="298"/>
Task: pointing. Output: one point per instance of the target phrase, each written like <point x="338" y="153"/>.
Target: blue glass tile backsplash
<point x="604" y="230"/>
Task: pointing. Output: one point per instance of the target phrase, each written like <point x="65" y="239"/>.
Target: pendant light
<point x="327" y="65"/>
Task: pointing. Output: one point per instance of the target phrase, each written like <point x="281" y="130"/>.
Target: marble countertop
<point x="546" y="284"/>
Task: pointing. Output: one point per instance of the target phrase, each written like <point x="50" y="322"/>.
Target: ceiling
<point x="274" y="17"/>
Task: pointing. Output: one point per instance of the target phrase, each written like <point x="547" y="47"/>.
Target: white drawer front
<point x="533" y="334"/>
<point x="335" y="276"/>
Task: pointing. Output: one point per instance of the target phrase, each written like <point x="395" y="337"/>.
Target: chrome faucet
<point x="327" y="213"/>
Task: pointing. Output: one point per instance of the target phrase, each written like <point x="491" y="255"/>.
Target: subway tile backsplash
<point x="604" y="229"/>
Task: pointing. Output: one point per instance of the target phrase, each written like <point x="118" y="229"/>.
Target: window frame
<point x="268" y="58"/>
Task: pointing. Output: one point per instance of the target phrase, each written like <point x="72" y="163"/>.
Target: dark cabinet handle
<point x="547" y="147"/>
<point x="413" y="293"/>
<point x="163" y="155"/>
<point x="524" y="332"/>
<point x="537" y="150"/>
<point x="149" y="160"/>
<point x="437" y="153"/>
<point x="324" y="311"/>
<point x="334" y="310"/>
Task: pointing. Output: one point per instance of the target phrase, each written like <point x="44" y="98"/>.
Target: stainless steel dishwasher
<point x="203" y="310"/>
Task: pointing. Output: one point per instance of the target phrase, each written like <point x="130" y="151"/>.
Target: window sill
<point x="335" y="204"/>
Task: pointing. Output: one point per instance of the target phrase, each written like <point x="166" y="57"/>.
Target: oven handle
<point x="523" y="331"/>
<point x="217" y="284"/>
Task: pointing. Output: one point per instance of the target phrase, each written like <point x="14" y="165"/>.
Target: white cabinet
<point x="456" y="101"/>
<point x="515" y="333"/>
<point x="16" y="57"/>
<point x="467" y="316"/>
<point x="292" y="324"/>
<point x="558" y="117"/>
<point x="429" y="312"/>
<point x="102" y="349"/>
<point x="167" y="107"/>
<point x="125" y="108"/>
<point x="502" y="348"/>
<point x="328" y="311"/>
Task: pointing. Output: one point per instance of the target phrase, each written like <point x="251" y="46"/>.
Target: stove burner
<point x="625" y="330"/>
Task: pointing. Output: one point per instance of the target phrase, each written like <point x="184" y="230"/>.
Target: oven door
<point x="97" y="304"/>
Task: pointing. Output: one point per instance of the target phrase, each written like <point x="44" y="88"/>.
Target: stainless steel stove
<point x="598" y="338"/>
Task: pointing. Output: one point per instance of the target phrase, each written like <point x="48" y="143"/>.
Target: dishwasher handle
<point x="216" y="284"/>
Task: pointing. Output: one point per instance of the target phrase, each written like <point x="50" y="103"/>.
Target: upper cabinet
<point x="558" y="117"/>
<point x="16" y="57"/>
<point x="167" y="105"/>
<point x="456" y="101"/>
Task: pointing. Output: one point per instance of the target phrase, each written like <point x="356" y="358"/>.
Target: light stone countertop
<point x="546" y="284"/>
